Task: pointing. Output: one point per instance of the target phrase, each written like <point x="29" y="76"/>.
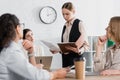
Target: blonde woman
<point x="108" y="63"/>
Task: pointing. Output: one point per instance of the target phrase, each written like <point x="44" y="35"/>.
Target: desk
<point x="71" y="77"/>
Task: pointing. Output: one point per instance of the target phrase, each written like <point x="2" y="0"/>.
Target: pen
<point x="41" y="61"/>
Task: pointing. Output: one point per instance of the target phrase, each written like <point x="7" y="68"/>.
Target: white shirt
<point x="81" y="30"/>
<point x="14" y="65"/>
<point x="108" y="60"/>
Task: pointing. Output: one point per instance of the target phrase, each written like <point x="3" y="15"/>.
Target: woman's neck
<point x="70" y="20"/>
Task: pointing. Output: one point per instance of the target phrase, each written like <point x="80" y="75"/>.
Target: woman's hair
<point x="114" y="25"/>
<point x="68" y="5"/>
<point x="8" y="24"/>
<point x="25" y="32"/>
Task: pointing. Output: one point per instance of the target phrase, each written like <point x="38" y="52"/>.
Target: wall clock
<point x="47" y="14"/>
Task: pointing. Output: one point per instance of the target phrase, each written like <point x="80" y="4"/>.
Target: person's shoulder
<point x="78" y="19"/>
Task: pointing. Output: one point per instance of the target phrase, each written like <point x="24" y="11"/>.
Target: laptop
<point x="45" y="60"/>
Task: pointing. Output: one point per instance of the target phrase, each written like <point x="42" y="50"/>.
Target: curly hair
<point x="8" y="24"/>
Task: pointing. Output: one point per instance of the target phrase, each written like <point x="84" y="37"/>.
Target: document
<point x="50" y="45"/>
<point x="61" y="46"/>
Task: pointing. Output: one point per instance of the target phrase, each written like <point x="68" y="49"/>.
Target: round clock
<point x="48" y="15"/>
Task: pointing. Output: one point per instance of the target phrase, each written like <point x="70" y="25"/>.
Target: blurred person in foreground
<point x="13" y="64"/>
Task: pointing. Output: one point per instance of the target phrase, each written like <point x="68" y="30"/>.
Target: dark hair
<point x="25" y="32"/>
<point x="8" y="24"/>
<point x="68" y="5"/>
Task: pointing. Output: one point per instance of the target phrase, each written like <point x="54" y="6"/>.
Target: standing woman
<point x="13" y="64"/>
<point x="73" y="31"/>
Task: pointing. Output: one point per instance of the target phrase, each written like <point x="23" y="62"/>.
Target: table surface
<point x="72" y="77"/>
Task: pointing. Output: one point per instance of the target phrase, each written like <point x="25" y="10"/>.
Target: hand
<point x="60" y="73"/>
<point x="110" y="72"/>
<point x="53" y="51"/>
<point x="28" y="45"/>
<point x="76" y="50"/>
<point x="40" y="66"/>
<point x="102" y="40"/>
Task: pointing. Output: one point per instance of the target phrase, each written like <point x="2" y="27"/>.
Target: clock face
<point x="47" y="15"/>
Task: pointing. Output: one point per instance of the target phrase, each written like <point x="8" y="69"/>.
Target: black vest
<point x="74" y="33"/>
<point x="67" y="60"/>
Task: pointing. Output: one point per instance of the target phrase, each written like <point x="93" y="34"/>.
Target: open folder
<point x="61" y="46"/>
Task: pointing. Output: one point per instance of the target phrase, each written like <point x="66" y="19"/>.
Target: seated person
<point x="108" y="63"/>
<point x="13" y="64"/>
<point x="38" y="49"/>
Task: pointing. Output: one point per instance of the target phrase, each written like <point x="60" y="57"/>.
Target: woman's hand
<point x="59" y="74"/>
<point x="54" y="52"/>
<point x="100" y="44"/>
<point x="110" y="72"/>
<point x="40" y="66"/>
<point x="76" y="50"/>
<point x="28" y="45"/>
<point x="102" y="40"/>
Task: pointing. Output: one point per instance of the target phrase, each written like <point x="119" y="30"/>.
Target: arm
<point x="99" y="57"/>
<point x="81" y="39"/>
<point x="28" y="45"/>
<point x="19" y="65"/>
<point x="82" y="42"/>
<point x="110" y="72"/>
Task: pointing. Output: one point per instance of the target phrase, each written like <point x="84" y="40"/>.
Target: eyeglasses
<point x="22" y="25"/>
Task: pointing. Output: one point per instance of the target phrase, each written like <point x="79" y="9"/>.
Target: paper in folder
<point x="63" y="46"/>
<point x="51" y="45"/>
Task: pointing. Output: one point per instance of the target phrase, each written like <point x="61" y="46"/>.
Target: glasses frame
<point x="22" y="25"/>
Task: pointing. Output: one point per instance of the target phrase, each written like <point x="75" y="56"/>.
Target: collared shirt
<point x="108" y="60"/>
<point x="82" y="31"/>
<point x="14" y="65"/>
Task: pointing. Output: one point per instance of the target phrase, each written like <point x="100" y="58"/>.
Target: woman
<point x="13" y="64"/>
<point x="38" y="50"/>
<point x="28" y="34"/>
<point x="73" y="31"/>
<point x="109" y="63"/>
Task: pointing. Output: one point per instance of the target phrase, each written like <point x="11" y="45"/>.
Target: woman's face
<point x="29" y="36"/>
<point x="19" y="30"/>
<point x="67" y="14"/>
<point x="108" y="34"/>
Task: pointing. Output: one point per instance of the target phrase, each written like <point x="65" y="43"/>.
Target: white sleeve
<point x="83" y="32"/>
<point x="19" y="65"/>
<point x="99" y="62"/>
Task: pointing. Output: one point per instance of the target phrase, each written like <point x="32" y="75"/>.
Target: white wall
<point x="94" y="13"/>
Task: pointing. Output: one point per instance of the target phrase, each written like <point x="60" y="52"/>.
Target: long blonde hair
<point x="114" y="25"/>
